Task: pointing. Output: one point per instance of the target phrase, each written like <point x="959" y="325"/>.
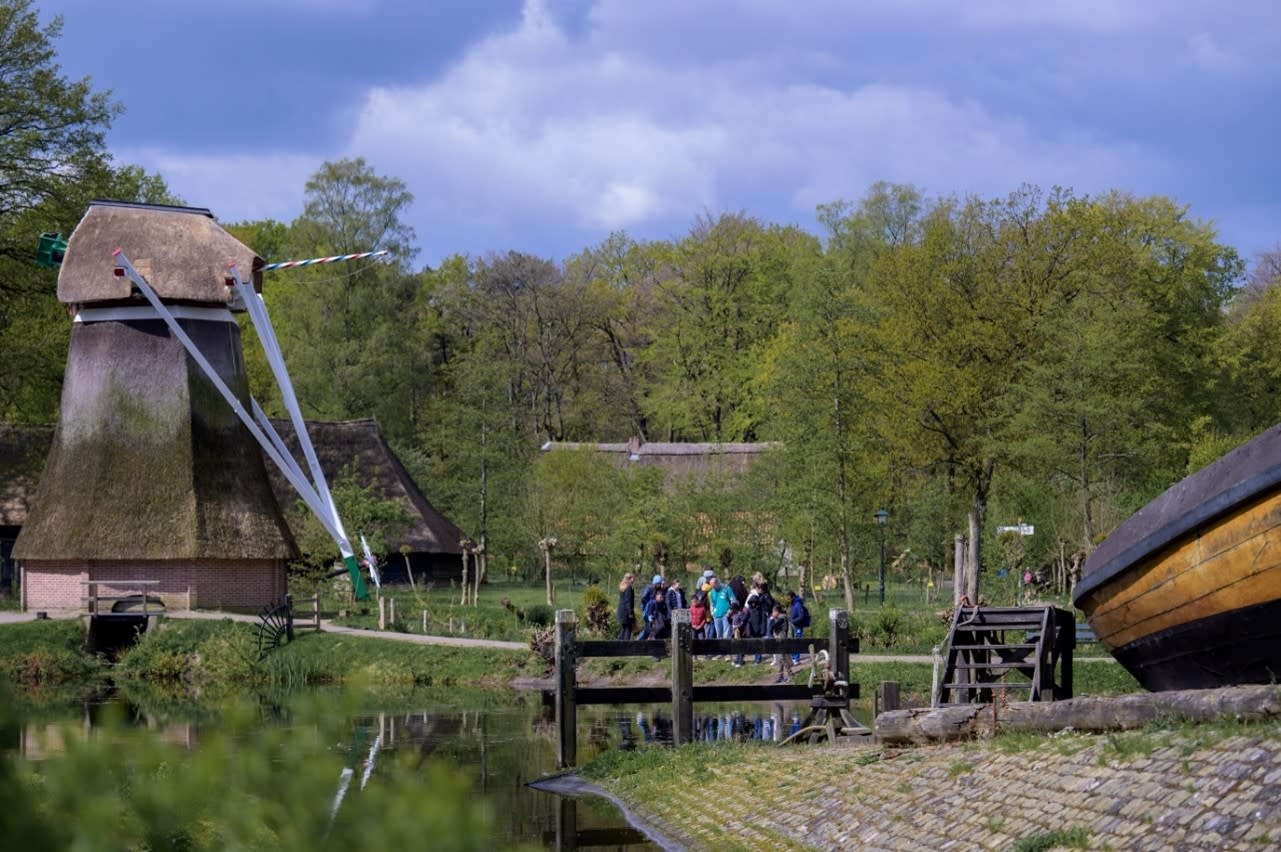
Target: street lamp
<point x="882" y="518"/>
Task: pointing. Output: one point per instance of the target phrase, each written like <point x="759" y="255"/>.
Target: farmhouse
<point x="678" y="461"/>
<point x="430" y="544"/>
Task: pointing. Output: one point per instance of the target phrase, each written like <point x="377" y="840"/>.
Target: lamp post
<point x="882" y="518"/>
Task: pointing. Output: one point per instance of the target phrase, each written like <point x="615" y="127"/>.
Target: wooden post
<point x="839" y="643"/>
<point x="382" y="613"/>
<point x="958" y="569"/>
<point x="289" y="617"/>
<point x="888" y="693"/>
<point x="424" y="622"/>
<point x="935" y="684"/>
<point x="464" y="583"/>
<point x="682" y="678"/>
<point x="566" y="712"/>
<point x="391" y="612"/>
<point x="315" y="609"/>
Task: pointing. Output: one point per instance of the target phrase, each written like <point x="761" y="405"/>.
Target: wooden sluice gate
<point x="829" y="698"/>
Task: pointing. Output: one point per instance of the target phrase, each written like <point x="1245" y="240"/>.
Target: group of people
<point x="717" y="610"/>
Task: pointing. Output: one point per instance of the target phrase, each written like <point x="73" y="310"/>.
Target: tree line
<point x="963" y="362"/>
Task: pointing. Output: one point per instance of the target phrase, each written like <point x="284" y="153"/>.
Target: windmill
<point x="152" y="470"/>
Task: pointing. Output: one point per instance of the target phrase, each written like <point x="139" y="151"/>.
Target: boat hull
<point x="1187" y="593"/>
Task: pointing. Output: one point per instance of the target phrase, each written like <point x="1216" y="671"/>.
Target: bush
<point x="41" y="653"/>
<point x="596" y="614"/>
<point x="540" y="615"/>
<point x="888" y="623"/>
<point x="248" y="786"/>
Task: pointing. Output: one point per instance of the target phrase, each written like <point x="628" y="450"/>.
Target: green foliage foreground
<point x="248" y="785"/>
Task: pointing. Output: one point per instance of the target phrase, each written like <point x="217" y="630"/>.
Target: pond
<point x="500" y="742"/>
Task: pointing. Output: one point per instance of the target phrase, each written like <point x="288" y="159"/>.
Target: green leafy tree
<point x="52" y="161"/>
<point x="343" y="328"/>
<point x="362" y="510"/>
<point x="722" y="292"/>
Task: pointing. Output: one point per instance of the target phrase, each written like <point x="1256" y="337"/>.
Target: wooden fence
<point x="134" y="589"/>
<point x="683" y="693"/>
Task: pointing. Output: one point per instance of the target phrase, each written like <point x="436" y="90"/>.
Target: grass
<point x="46" y="653"/>
<point x="1063" y="838"/>
<point x="504" y="611"/>
<point x="225" y="652"/>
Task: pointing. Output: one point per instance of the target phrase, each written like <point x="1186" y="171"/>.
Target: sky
<point x="542" y="126"/>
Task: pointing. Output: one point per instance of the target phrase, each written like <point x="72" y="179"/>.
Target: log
<point x="1088" y="714"/>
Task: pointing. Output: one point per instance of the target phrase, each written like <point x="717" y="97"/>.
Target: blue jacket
<point x="797" y="611"/>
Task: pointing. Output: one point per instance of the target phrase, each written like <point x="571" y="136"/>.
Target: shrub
<point x="888" y="623"/>
<point x="596" y="606"/>
<point x="540" y="615"/>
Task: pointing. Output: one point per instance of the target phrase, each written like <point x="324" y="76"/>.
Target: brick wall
<point x="206" y="583"/>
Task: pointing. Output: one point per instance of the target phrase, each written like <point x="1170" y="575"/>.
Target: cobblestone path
<point x="1143" y="791"/>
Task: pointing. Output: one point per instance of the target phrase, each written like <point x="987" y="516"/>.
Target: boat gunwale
<point x="1104" y="566"/>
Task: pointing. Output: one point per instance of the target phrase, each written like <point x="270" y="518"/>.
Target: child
<point x="738" y="622"/>
<point x="779" y="627"/>
<point x="698" y="615"/>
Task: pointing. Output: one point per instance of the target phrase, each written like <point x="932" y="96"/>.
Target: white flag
<point x="373" y="563"/>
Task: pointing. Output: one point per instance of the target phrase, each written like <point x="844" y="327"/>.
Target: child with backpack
<point x="779" y="627"/>
<point x="738" y="620"/>
<point x="798" y="615"/>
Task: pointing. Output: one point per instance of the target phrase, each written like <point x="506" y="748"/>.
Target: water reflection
<point x="654" y="726"/>
<point x="503" y="744"/>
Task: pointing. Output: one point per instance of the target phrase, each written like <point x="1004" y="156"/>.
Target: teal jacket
<point x="719" y="598"/>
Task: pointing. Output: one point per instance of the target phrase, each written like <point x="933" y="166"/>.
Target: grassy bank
<point x="510" y="611"/>
<point x="50" y="653"/>
<point x="46" y="654"/>
<point x="227" y="652"/>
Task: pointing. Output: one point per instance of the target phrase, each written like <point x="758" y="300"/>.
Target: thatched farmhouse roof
<point x="677" y="460"/>
<point x="181" y="251"/>
<point x="22" y="454"/>
<point x="361" y="443"/>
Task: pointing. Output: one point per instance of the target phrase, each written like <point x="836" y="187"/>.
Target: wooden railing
<point x="682" y="693"/>
<point x="134" y="589"/>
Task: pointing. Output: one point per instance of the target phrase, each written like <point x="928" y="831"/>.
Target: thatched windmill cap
<point x="181" y="251"/>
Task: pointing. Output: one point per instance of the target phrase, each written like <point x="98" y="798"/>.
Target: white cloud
<point x="530" y="126"/>
<point x="236" y="187"/>
<point x="1210" y="56"/>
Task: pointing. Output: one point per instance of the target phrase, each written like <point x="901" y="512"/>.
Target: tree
<point x="362" y="510"/>
<point x="347" y="332"/>
<point x="723" y="292"/>
<point x="51" y="162"/>
<point x="1106" y="407"/>
<point x="51" y="128"/>
<point x="956" y="316"/>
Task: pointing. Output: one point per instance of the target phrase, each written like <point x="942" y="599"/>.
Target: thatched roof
<point x="677" y="460"/>
<point x="147" y="460"/>
<point x="22" y="454"/>
<point x="181" y="251"/>
<point x="361" y="442"/>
